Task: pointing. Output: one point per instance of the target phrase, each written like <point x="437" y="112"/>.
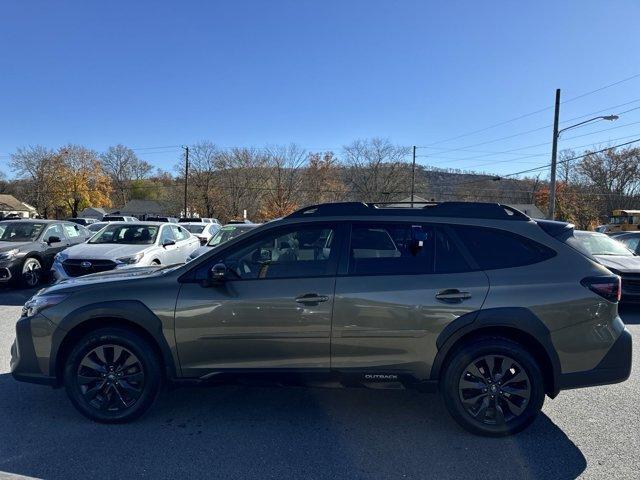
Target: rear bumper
<point x="615" y="367"/>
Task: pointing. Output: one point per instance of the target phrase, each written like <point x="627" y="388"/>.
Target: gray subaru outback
<point x="476" y="300"/>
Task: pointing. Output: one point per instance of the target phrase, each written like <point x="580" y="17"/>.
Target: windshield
<point x="127" y="234"/>
<point x="195" y="228"/>
<point x="20" y="231"/>
<point x="227" y="233"/>
<point x="94" y="227"/>
<point x="600" y="244"/>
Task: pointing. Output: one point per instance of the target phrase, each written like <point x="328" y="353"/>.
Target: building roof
<point x="9" y="202"/>
<point x="142" y="207"/>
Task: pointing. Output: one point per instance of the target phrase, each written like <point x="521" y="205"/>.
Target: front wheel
<point x="112" y="375"/>
<point x="493" y="387"/>
<point x="31" y="274"/>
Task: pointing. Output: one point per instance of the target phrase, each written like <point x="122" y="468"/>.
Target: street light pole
<point x="413" y="175"/>
<point x="554" y="150"/>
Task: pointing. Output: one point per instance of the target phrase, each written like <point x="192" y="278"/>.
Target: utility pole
<point x="186" y="178"/>
<point x="413" y="175"/>
<point x="554" y="154"/>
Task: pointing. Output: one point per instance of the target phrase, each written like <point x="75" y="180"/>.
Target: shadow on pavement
<point x="630" y="314"/>
<point x="10" y="296"/>
<point x="261" y="432"/>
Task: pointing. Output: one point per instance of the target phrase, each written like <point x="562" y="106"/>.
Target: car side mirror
<point x="168" y="242"/>
<point x="52" y="239"/>
<point x="218" y="273"/>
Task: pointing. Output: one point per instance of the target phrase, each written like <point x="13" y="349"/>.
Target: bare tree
<point x="615" y="174"/>
<point x="204" y="161"/>
<point x="39" y="168"/>
<point x="282" y="194"/>
<point x="377" y="169"/>
<point x="123" y="166"/>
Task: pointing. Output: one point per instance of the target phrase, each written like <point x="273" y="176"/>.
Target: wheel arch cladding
<point x="515" y="323"/>
<point x="130" y="314"/>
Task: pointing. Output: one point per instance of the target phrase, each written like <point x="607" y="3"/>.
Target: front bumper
<point x="615" y="367"/>
<point x="31" y="350"/>
<point x="8" y="270"/>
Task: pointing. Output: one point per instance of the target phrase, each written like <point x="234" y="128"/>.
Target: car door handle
<point x="452" y="295"/>
<point x="312" y="298"/>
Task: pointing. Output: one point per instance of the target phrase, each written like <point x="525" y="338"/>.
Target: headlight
<point x="8" y="254"/>
<point x="40" y="302"/>
<point x="131" y="259"/>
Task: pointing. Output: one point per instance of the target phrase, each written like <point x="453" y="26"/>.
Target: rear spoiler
<point x="559" y="230"/>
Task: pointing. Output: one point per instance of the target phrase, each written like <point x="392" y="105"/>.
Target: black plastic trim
<point x="517" y="318"/>
<point x="132" y="311"/>
<point x="615" y="367"/>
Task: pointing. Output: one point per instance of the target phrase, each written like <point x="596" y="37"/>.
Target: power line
<point x="520" y="117"/>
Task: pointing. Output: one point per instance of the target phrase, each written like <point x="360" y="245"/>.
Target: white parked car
<point x="126" y="244"/>
<point x="204" y="231"/>
<point x="224" y="234"/>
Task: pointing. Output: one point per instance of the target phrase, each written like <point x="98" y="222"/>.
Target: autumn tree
<point x="322" y="179"/>
<point x="124" y="168"/>
<point x="84" y="181"/>
<point x="377" y="170"/>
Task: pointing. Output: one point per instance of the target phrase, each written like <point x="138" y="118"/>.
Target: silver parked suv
<point x="493" y="309"/>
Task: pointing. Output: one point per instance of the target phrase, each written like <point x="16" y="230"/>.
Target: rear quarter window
<point x="492" y="248"/>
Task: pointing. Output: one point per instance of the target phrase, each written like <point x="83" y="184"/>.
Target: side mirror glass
<point x="53" y="239"/>
<point x="168" y="242"/>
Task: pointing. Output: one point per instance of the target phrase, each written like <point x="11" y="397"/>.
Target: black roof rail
<point x="495" y="211"/>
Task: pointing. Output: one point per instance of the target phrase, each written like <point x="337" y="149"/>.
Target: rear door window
<point x="492" y="248"/>
<point x="391" y="249"/>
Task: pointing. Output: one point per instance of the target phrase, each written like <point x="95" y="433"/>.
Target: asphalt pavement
<point x="280" y="433"/>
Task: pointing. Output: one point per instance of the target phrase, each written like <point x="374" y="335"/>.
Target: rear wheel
<point x="112" y="375"/>
<point x="493" y="387"/>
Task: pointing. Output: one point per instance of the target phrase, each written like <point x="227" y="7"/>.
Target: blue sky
<point x="317" y="73"/>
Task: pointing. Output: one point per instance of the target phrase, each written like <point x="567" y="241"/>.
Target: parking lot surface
<point x="269" y="432"/>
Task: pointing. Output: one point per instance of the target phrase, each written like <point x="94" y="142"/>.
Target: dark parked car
<point x="631" y="240"/>
<point x="614" y="254"/>
<point x="27" y="247"/>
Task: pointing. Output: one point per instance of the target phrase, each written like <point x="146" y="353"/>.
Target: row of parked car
<point x="31" y="250"/>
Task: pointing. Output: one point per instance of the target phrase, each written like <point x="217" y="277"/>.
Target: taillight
<point x="609" y="288"/>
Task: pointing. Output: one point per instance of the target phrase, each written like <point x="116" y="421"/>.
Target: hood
<point x="620" y="263"/>
<point x="118" y="275"/>
<point x="103" y="251"/>
<point x="6" y="246"/>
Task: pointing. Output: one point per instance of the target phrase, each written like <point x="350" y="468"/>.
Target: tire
<point x="31" y="273"/>
<point x="112" y="375"/>
<point x="478" y="396"/>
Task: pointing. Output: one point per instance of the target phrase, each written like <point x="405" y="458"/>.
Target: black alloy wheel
<point x="494" y="389"/>
<point x="111" y="378"/>
<point x="112" y="375"/>
<point x="493" y="386"/>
